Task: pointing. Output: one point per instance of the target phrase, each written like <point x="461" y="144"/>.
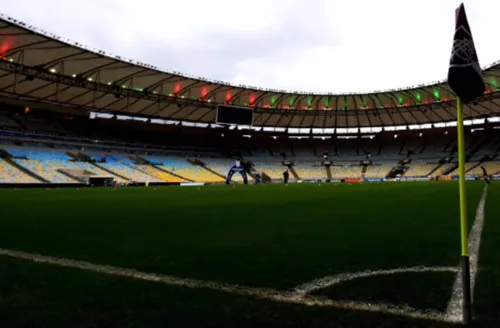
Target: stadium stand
<point x="40" y="143"/>
<point x="198" y="174"/>
<point x="8" y="122"/>
<point x="443" y="169"/>
<point x="378" y="171"/>
<point x="10" y="174"/>
<point x="184" y="169"/>
<point x="468" y="167"/>
<point x="45" y="164"/>
<point x="159" y="174"/>
<point x="346" y="171"/>
<point x="221" y="166"/>
<point x="491" y="168"/>
<point x="348" y="148"/>
<point x="370" y="146"/>
<point x="94" y="170"/>
<point x="124" y="167"/>
<point x="419" y="169"/>
<point x="310" y="171"/>
<point x="273" y="169"/>
<point x="303" y="153"/>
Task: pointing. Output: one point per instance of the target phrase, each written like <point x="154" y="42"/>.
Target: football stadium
<point x="133" y="196"/>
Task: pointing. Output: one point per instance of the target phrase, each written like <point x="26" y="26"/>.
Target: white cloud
<point x="309" y="45"/>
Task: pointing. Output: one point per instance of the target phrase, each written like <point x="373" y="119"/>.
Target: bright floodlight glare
<point x="420" y="134"/>
<point x="74" y="75"/>
<point x="52" y="70"/>
<point x="395" y="136"/>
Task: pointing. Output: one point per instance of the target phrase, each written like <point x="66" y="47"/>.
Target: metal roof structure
<point x="38" y="66"/>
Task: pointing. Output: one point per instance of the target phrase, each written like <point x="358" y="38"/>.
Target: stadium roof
<point x="39" y="66"/>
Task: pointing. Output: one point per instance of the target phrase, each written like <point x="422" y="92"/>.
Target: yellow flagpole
<point x="464" y="227"/>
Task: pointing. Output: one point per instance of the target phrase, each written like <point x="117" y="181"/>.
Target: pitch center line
<point x="454" y="308"/>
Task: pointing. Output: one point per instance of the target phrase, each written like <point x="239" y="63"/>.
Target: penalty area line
<point x="292" y="296"/>
<point x="454" y="309"/>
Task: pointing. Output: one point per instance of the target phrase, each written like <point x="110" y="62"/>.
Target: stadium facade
<point x="73" y="115"/>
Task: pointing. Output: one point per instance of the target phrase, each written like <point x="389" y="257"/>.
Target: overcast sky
<point x="306" y="45"/>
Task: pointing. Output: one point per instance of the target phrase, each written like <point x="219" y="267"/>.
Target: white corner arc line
<point x="262" y="293"/>
<point x="454" y="309"/>
<point x="343" y="277"/>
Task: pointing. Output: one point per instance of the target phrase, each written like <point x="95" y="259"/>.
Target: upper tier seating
<point x="8" y="122"/>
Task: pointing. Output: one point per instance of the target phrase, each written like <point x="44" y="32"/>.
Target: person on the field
<point x="485" y="175"/>
<point x="285" y="176"/>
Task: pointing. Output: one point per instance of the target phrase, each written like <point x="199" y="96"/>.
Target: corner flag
<point x="465" y="79"/>
<point x="464" y="75"/>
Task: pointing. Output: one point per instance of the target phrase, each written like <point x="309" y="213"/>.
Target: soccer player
<point x="285" y="176"/>
<point x="486" y="178"/>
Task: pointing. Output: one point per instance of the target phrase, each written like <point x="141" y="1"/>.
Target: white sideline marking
<point x="454" y="308"/>
<point x="297" y="296"/>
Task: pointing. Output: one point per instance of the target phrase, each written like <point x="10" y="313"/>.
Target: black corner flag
<point x="464" y="75"/>
<point x="466" y="81"/>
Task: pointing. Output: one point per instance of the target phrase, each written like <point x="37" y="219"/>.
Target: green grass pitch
<point x="265" y="236"/>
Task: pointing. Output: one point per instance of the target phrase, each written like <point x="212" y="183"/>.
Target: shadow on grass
<point x="46" y="296"/>
<point x="420" y="290"/>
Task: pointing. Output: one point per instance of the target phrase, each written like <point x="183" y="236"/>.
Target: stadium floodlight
<point x="52" y="70"/>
